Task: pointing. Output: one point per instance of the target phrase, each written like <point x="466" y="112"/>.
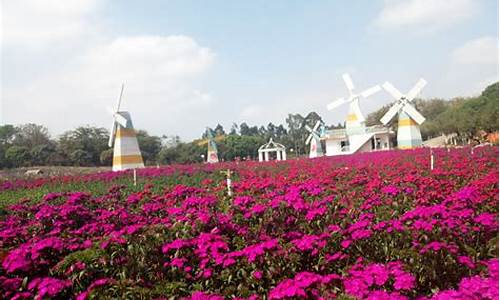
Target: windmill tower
<point x="355" y="122"/>
<point x="315" y="148"/>
<point x="212" y="155"/>
<point x="409" y="118"/>
<point x="126" y="152"/>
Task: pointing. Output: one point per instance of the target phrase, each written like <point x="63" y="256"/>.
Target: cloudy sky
<point x="190" y="64"/>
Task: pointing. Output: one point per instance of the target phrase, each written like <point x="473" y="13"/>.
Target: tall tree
<point x="84" y="145"/>
<point x="150" y="146"/>
<point x="31" y="135"/>
<point x="219" y="130"/>
<point x="296" y="132"/>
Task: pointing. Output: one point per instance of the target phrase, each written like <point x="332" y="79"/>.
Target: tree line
<point x="465" y="117"/>
<point x="32" y="145"/>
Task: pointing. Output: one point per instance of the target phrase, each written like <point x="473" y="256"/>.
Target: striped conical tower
<point x="408" y="132"/>
<point x="126" y="152"/>
<point x="354" y="125"/>
<point x="212" y="156"/>
<point x="316" y="149"/>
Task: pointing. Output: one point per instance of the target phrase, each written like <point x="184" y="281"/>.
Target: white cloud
<point x="38" y="23"/>
<point x="483" y="50"/>
<point x="472" y="67"/>
<point x="160" y="75"/>
<point x="425" y="14"/>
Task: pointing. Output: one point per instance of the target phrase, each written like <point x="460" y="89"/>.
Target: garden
<point x="378" y="225"/>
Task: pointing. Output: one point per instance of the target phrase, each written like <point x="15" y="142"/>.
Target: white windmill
<point x="315" y="148"/>
<point x="409" y="118"/>
<point x="126" y="152"/>
<point x="355" y="121"/>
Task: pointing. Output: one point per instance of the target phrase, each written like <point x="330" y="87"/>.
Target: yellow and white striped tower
<point x="355" y="122"/>
<point x="126" y="152"/>
<point x="122" y="137"/>
<point x="408" y="132"/>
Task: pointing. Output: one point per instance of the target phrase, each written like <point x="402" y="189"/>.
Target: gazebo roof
<point x="272" y="146"/>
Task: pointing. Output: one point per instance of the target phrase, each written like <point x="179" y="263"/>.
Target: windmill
<point x="212" y="156"/>
<point x="409" y="118"/>
<point x="314" y="141"/>
<point x="126" y="152"/>
<point x="355" y="122"/>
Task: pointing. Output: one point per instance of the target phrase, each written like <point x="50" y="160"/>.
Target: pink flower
<point x="467" y="261"/>
<point x="257" y="275"/>
<point x="48" y="286"/>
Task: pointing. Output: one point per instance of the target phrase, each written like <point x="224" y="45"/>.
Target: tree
<point x="236" y="146"/>
<point x="297" y="133"/>
<point x="31" y="135"/>
<point x="219" y="130"/>
<point x="18" y="156"/>
<point x="106" y="157"/>
<point x="81" y="157"/>
<point x="150" y="146"/>
<point x="91" y="140"/>
<point x="170" y="140"/>
<point x="42" y="154"/>
<point x="235" y="129"/>
<point x="7" y="133"/>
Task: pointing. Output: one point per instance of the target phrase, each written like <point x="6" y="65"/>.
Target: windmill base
<point x="212" y="157"/>
<point x="408" y="132"/>
<point x="126" y="152"/>
<point x="316" y="150"/>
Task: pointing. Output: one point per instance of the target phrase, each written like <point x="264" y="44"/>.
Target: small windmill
<point x="126" y="152"/>
<point x="315" y="133"/>
<point x="212" y="156"/>
<point x="409" y="118"/>
<point x="355" y="122"/>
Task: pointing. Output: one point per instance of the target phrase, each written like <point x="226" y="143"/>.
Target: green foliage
<point x="464" y="116"/>
<point x="150" y="147"/>
<point x="87" y="146"/>
<point x="106" y="157"/>
<point x="84" y="145"/>
<point x="42" y="154"/>
<point x="18" y="156"/>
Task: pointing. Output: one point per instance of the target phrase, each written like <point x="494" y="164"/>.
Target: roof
<point x="271" y="146"/>
<point x="341" y="133"/>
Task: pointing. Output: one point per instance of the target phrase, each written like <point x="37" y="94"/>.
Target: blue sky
<point x="191" y="64"/>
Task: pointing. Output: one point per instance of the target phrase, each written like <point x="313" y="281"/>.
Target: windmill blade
<point x="308" y="128"/>
<point x="336" y="103"/>
<point x="416" y="89"/>
<point x="348" y="82"/>
<point x="413" y="113"/>
<point x="120" y="99"/>
<point x="374" y="89"/>
<point x="309" y="138"/>
<point x="316" y="126"/>
<point x="112" y="135"/>
<point x="120" y="119"/>
<point x="391" y="113"/>
<point x="357" y="111"/>
<point x="392" y="90"/>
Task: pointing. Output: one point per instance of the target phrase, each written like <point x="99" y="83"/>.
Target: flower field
<point x="368" y="226"/>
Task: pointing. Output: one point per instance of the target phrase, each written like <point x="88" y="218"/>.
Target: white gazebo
<point x="272" y="146"/>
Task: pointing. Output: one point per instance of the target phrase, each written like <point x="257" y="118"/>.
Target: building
<point x="364" y="139"/>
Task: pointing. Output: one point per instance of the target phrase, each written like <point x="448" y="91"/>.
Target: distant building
<point x="364" y="139"/>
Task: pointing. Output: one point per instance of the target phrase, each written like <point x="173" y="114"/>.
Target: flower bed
<point x="369" y="226"/>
